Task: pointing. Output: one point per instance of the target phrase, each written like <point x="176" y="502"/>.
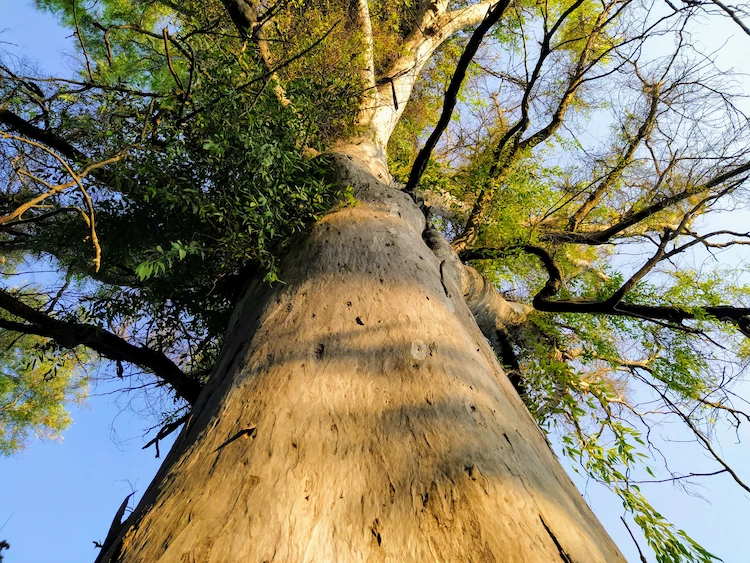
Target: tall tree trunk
<point x="358" y="414"/>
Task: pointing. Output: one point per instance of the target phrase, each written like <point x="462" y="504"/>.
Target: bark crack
<point x="442" y="280"/>
<point x="250" y="432"/>
<point x="563" y="555"/>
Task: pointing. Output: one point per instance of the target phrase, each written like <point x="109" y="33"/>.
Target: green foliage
<point x="37" y="382"/>
<point x="669" y="544"/>
<point x="211" y="184"/>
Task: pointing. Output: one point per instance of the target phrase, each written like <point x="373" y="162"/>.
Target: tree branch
<point x="731" y="12"/>
<point x="434" y="26"/>
<point x="739" y="316"/>
<point x="701" y="438"/>
<point x="250" y="24"/>
<point x="361" y="19"/>
<point x="632" y="218"/>
<point x="107" y="344"/>
<point x="243" y="15"/>
<point x="53" y="141"/>
<point x="618" y="295"/>
<point x="503" y="159"/>
<point x="451" y="94"/>
<point x="644" y="131"/>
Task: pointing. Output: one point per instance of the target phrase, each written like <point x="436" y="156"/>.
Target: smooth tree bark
<point x="358" y="413"/>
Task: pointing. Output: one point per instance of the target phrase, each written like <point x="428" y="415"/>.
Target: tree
<point x="355" y="407"/>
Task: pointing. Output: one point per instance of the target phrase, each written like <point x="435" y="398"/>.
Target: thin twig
<point x="165" y="33"/>
<point x="80" y="41"/>
<point x="640" y="553"/>
<point x="77" y="181"/>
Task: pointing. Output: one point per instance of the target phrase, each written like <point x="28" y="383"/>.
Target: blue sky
<point x="58" y="498"/>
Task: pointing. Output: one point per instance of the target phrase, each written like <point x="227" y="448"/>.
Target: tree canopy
<point x="578" y="155"/>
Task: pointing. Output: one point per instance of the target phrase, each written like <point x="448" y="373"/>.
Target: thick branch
<point x="632" y="218"/>
<point x="109" y="345"/>
<point x="433" y="27"/>
<point x="361" y="18"/>
<point x="53" y="141"/>
<point x="250" y="25"/>
<point x="243" y="15"/>
<point x="623" y="161"/>
<point x="451" y="94"/>
<point x="739" y="316"/>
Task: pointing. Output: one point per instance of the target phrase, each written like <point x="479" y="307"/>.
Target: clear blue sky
<point x="59" y="497"/>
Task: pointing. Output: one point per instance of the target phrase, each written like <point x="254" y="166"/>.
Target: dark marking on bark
<point x="375" y="532"/>
<point x="234" y="357"/>
<point x="250" y="432"/>
<point x="359" y="321"/>
<point x="442" y="280"/>
<point x="563" y="555"/>
<point x="320" y="351"/>
<point x="165" y="543"/>
<point x="507" y="439"/>
<point x="476" y="475"/>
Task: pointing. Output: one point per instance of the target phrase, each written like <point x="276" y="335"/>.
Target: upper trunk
<point x="358" y="414"/>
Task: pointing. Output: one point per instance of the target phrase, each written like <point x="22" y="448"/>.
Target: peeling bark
<point x="357" y="413"/>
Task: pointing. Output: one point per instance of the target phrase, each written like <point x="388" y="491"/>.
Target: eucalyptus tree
<point x="324" y="228"/>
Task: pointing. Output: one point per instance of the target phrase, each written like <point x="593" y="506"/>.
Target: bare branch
<point x="731" y="12"/>
<point x="631" y="218"/>
<point x="623" y="161"/>
<point x="642" y="271"/>
<point x="81" y="43"/>
<point x="638" y="547"/>
<point x="701" y="438"/>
